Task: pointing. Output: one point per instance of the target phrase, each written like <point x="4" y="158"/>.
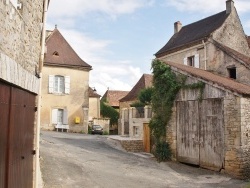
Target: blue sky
<point x="118" y="38"/>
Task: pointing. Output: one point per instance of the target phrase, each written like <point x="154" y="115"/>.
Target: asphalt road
<point x="89" y="161"/>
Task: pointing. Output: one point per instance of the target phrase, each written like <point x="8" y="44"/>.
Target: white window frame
<point x="193" y="61"/>
<point x="59" y="84"/>
<point x="55" y="116"/>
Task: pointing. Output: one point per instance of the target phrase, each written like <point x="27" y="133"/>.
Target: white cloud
<point x="81" y="7"/>
<point x="207" y="6"/>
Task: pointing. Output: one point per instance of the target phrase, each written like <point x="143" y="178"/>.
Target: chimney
<point x="177" y="26"/>
<point x="229" y="6"/>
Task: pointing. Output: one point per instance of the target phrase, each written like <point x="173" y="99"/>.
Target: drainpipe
<point x="45" y="8"/>
<point x="205" y="54"/>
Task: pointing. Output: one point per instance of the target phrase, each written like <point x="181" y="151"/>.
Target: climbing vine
<point x="166" y="86"/>
<point x="109" y="112"/>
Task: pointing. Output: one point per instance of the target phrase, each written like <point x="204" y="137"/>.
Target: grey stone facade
<point x="20" y="43"/>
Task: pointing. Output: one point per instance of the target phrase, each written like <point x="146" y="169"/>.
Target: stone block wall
<point x="132" y="145"/>
<point x="237" y="138"/>
<point x="20" y="35"/>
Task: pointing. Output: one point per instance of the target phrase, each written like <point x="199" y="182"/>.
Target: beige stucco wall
<point x="20" y="35"/>
<point x="94" y="108"/>
<point x="73" y="102"/>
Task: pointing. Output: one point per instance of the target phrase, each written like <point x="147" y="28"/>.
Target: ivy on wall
<point x="109" y="112"/>
<point x="166" y="85"/>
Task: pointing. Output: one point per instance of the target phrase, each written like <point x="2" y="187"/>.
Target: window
<point x="232" y="72"/>
<point x="59" y="84"/>
<point x="59" y="116"/>
<point x="136" y="131"/>
<point x="193" y="61"/>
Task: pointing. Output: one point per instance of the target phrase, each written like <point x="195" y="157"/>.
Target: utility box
<point x="77" y="120"/>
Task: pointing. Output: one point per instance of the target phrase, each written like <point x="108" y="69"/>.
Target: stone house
<point x="144" y="82"/>
<point x="65" y="94"/>
<point x="112" y="97"/>
<point x="94" y="104"/>
<point x="132" y="119"/>
<point x="213" y="132"/>
<point x="20" y="50"/>
<point x="217" y="44"/>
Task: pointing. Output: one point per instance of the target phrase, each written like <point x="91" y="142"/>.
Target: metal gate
<point x="200" y="131"/>
<point x="17" y="113"/>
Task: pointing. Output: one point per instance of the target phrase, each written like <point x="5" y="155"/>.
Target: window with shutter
<point x="196" y="61"/>
<point x="54" y="116"/>
<point x="67" y="84"/>
<point x="185" y="61"/>
<point x="65" y="116"/>
<point x="59" y="84"/>
<point x="51" y="83"/>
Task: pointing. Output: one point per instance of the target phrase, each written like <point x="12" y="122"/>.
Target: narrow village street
<point x="91" y="161"/>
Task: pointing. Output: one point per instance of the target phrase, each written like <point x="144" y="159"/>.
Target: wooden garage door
<point x="17" y="115"/>
<point x="188" y="132"/>
<point x="200" y="133"/>
<point x="211" y="134"/>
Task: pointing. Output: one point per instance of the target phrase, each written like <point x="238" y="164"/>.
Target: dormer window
<point x="232" y="72"/>
<point x="56" y="53"/>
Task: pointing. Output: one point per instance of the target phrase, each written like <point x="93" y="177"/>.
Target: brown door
<point x="211" y="134"/>
<point x="17" y="145"/>
<point x="146" y="137"/>
<point x="200" y="133"/>
<point x="188" y="132"/>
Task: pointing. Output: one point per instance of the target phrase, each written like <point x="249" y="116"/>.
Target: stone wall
<point x="218" y="62"/>
<point x="231" y="34"/>
<point x="132" y="145"/>
<point x="20" y="43"/>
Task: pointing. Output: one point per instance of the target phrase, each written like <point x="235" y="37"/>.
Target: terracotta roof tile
<point x="145" y="81"/>
<point x="113" y="96"/>
<point x="194" y="32"/>
<point x="248" y="41"/>
<point x="224" y="82"/>
<point x="93" y="93"/>
<point x="60" y="53"/>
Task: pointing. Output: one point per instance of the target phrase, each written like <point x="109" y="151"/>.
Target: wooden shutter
<point x="65" y="116"/>
<point x="67" y="84"/>
<point x="185" y="61"/>
<point x="54" y="116"/>
<point x="51" y="83"/>
<point x="196" y="61"/>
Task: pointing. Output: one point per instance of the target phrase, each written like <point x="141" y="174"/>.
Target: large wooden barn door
<point x="211" y="134"/>
<point x="188" y="132"/>
<point x="17" y="115"/>
<point x="200" y="133"/>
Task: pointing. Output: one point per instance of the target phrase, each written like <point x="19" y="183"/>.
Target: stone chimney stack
<point x="229" y="6"/>
<point x="177" y="26"/>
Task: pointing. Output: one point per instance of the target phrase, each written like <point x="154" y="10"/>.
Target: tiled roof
<point x="194" y="32"/>
<point x="145" y="81"/>
<point x="60" y="53"/>
<point x="248" y="41"/>
<point x="245" y="60"/>
<point x="224" y="82"/>
<point x="93" y="93"/>
<point x="112" y="97"/>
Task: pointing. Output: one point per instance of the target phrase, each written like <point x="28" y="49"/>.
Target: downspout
<point x="45" y="9"/>
<point x="205" y="54"/>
